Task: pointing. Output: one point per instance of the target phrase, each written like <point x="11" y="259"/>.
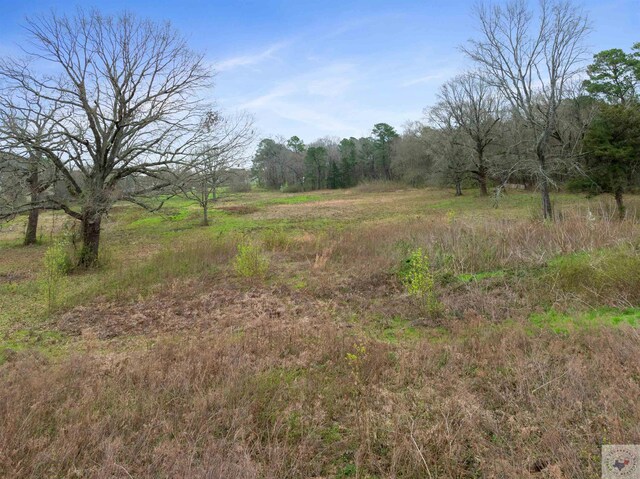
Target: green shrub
<point x="417" y="278"/>
<point x="56" y="265"/>
<point x="250" y="262"/>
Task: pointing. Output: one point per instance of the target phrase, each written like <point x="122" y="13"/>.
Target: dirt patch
<point x="219" y="308"/>
<point x="239" y="209"/>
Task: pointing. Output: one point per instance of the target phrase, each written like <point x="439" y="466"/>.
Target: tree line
<point x="290" y="165"/>
<point x="524" y="114"/>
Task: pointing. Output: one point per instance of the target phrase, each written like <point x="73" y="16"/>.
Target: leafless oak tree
<point x="217" y="159"/>
<point x="473" y="106"/>
<point x="122" y="97"/>
<point x="532" y="60"/>
<point x="26" y="175"/>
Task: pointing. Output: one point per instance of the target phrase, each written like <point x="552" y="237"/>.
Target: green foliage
<point x="316" y="166"/>
<point x="613" y="76"/>
<point x="348" y="159"/>
<point x="383" y="136"/>
<point x="613" y="149"/>
<point x="45" y="341"/>
<point x="296" y="144"/>
<point x="355" y="362"/>
<point x="334" y="176"/>
<point x="250" y="261"/>
<point x="350" y="470"/>
<point x="418" y="280"/>
<point x="56" y="265"/>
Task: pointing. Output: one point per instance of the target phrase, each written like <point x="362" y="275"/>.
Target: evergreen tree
<point x="613" y="150"/>
<point x="383" y="136"/>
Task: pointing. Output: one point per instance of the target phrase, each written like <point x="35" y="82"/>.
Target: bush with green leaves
<point x="56" y="265"/>
<point x="417" y="278"/>
<point x="250" y="261"/>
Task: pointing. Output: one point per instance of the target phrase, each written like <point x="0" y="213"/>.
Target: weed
<point x="56" y="266"/>
<point x="607" y="276"/>
<point x="275" y="239"/>
<point x="250" y="261"/>
<point x="417" y="278"/>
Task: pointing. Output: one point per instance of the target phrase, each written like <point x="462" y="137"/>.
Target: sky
<point x="325" y="68"/>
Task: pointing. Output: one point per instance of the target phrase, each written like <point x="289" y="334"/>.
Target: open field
<point x="318" y="362"/>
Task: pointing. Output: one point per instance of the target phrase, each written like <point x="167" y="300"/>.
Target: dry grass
<point x="325" y="367"/>
<point x="316" y="401"/>
<point x="380" y="186"/>
<point x="468" y="247"/>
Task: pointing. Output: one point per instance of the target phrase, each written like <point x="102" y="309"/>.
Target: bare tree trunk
<point x="205" y="204"/>
<point x="30" y="236"/>
<point x="620" y="203"/>
<point x="91" y="222"/>
<point x="482" y="176"/>
<point x="547" y="212"/>
<point x="482" y="170"/>
<point x="205" y="214"/>
<point x="458" y="188"/>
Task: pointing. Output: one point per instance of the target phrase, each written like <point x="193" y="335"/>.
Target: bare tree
<point x="123" y="100"/>
<point x="474" y="108"/>
<point x="452" y="160"/>
<point x="217" y="159"/>
<point x="532" y="60"/>
<point x="29" y="175"/>
<point x="413" y="155"/>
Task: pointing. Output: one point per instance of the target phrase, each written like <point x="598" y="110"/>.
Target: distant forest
<point x="490" y="128"/>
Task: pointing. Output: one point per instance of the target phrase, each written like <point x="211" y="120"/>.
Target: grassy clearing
<point x="288" y="339"/>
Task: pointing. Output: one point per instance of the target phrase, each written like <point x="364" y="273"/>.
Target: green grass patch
<point x="468" y="277"/>
<point x="289" y="200"/>
<point x="45" y="341"/>
<point x="560" y="322"/>
<point x="396" y="329"/>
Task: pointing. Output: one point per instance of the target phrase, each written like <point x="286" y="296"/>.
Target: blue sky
<point x="327" y="68"/>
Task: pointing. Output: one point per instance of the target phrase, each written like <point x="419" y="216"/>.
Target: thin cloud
<point x="331" y="81"/>
<point x="249" y="60"/>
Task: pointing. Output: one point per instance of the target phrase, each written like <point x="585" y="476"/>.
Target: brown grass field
<point x="316" y="360"/>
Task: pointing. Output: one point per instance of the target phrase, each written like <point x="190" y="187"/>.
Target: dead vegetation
<point x="315" y="400"/>
<point x="324" y="366"/>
